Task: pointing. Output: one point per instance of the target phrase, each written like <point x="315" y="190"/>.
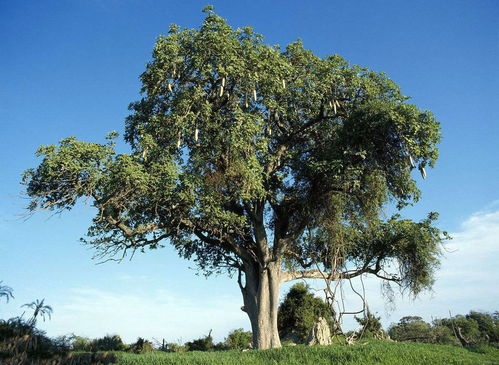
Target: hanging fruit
<point x="283" y="83"/>
<point x="254" y="94"/>
<point x="411" y="161"/>
<point x="423" y="172"/>
<point x="221" y="91"/>
<point x="334" y="106"/>
<point x="170" y="87"/>
<point x="223" y="81"/>
<point x="196" y="134"/>
<point x="179" y="140"/>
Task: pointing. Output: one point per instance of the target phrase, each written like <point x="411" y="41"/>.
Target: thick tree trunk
<point x="261" y="298"/>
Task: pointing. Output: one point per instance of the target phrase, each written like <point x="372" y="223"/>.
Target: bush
<point x="175" y="347"/>
<point x="220" y="346"/>
<point x="20" y="339"/>
<point x="371" y="325"/>
<point x="411" y="328"/>
<point x="473" y="329"/>
<point x="239" y="339"/>
<point x="141" y="346"/>
<point x="488" y="325"/>
<point x="81" y="344"/>
<point x="298" y="313"/>
<point x="444" y="335"/>
<point x="108" y="343"/>
<point x="201" y="344"/>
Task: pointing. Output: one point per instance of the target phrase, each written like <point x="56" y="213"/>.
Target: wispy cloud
<point x="162" y="314"/>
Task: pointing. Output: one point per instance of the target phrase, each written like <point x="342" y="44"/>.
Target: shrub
<point x="443" y="335"/>
<point x="371" y="325"/>
<point x="488" y="325"/>
<point x="20" y="339"/>
<point x="220" y="346"/>
<point x="82" y="344"/>
<point x="142" y="346"/>
<point x="108" y="343"/>
<point x="298" y="313"/>
<point x="175" y="347"/>
<point x="201" y="344"/>
<point x="411" y="328"/>
<point x="239" y="339"/>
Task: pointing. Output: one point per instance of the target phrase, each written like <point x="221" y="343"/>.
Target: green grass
<point x="374" y="352"/>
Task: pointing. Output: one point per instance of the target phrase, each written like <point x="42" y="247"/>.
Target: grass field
<point x="373" y="352"/>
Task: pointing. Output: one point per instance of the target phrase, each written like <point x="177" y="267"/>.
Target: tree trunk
<point x="261" y="298"/>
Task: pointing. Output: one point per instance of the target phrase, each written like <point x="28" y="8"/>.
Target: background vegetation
<point x="460" y="339"/>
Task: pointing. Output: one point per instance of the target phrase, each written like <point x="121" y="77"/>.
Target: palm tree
<point x="6" y="291"/>
<point x="39" y="309"/>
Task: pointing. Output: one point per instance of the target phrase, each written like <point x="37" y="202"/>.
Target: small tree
<point x="465" y="328"/>
<point x="6" y="292"/>
<point x="141" y="346"/>
<point x="39" y="309"/>
<point x="108" y="343"/>
<point x="299" y="311"/>
<point x="371" y="325"/>
<point x="259" y="161"/>
<point x="81" y="344"/>
<point x="411" y="328"/>
<point x="239" y="339"/>
<point x="201" y="344"/>
<point x="488" y="325"/>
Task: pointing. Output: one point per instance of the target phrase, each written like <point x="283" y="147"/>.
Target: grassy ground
<point x="374" y="352"/>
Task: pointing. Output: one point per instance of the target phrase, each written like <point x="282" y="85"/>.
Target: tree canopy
<point x="251" y="158"/>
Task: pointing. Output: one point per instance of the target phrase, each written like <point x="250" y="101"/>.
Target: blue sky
<point x="71" y="68"/>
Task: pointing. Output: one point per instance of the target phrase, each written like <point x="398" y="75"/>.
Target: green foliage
<point x="6" y="292"/>
<point x="444" y="335"/>
<point x="21" y="341"/>
<point x="299" y="311"/>
<point x="488" y="325"/>
<point x="175" y="347"/>
<point x="83" y="344"/>
<point x="201" y="344"/>
<point x="371" y="325"/>
<point x="40" y="309"/>
<point x="108" y="343"/>
<point x="374" y="352"/>
<point x="244" y="155"/>
<point x="411" y="328"/>
<point x="324" y="142"/>
<point x="141" y="346"/>
<point x="239" y="339"/>
<point x="474" y="328"/>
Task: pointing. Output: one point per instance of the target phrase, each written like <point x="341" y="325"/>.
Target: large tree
<point x="270" y="164"/>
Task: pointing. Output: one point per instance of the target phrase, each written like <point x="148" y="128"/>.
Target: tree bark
<point x="261" y="299"/>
